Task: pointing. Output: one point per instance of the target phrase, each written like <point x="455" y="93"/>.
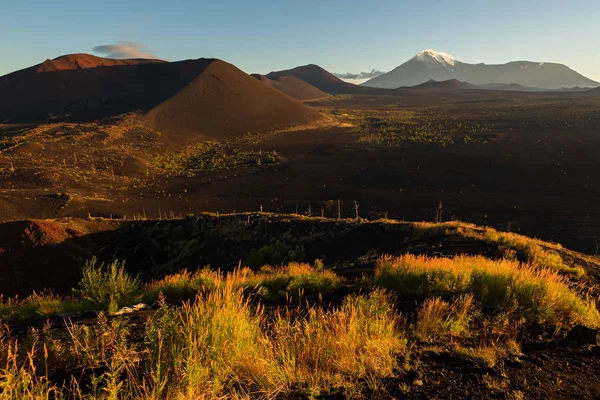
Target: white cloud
<point x="354" y="81"/>
<point x="361" y="76"/>
<point x="124" y="50"/>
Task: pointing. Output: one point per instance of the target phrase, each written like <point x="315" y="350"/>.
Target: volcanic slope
<point x="76" y="86"/>
<point x="323" y="80"/>
<point x="205" y="96"/>
<point x="431" y="64"/>
<point x="72" y="62"/>
<point x="293" y="87"/>
<point x="224" y="101"/>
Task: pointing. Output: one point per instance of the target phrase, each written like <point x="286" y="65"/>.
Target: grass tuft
<point x="269" y="283"/>
<point x="220" y="345"/>
<point x="437" y="318"/>
<point x="359" y="340"/>
<point x="37" y="305"/>
<point x="538" y="295"/>
<point x="277" y="283"/>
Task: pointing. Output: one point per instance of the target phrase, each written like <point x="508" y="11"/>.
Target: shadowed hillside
<point x="320" y="78"/>
<point x="293" y="87"/>
<point x="49" y="254"/>
<point x="223" y="101"/>
<point x="205" y="96"/>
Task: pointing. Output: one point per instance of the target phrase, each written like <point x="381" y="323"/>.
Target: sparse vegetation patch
<point x="213" y="156"/>
<point x="393" y="128"/>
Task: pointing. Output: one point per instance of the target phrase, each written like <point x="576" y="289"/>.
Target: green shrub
<point x="108" y="286"/>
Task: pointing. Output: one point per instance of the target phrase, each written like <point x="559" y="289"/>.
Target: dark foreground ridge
<point x="49" y="254"/>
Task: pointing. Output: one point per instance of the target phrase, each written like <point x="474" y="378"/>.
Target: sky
<point x="341" y="36"/>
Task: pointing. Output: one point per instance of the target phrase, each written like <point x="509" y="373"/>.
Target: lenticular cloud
<point x="124" y="50"/>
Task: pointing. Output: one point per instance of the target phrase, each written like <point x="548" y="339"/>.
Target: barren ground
<point x="522" y="162"/>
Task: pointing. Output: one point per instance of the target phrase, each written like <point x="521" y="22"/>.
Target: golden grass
<point x="38" y="305"/>
<point x="539" y="295"/>
<point x="325" y="349"/>
<point x="436" y="317"/>
<point x="109" y="287"/>
<point x="294" y="278"/>
<point x="223" y="345"/>
<point x="208" y="347"/>
<point x="536" y="252"/>
<point x="19" y="379"/>
<point x="182" y="285"/>
<point x="429" y="229"/>
<point x="219" y="346"/>
<point x="466" y="331"/>
<point x="269" y="283"/>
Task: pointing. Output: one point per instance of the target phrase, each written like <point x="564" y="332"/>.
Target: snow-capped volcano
<point x="431" y="56"/>
<point x="431" y="64"/>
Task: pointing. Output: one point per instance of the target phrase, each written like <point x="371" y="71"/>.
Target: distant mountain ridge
<point x="431" y="64"/>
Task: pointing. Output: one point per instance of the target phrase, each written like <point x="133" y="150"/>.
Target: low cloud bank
<point x="360" y="76"/>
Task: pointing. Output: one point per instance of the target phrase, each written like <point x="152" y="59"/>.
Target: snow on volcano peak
<point x="432" y="56"/>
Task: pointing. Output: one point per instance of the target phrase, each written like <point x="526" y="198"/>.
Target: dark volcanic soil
<point x="545" y="372"/>
<point x="535" y="173"/>
<point x="534" y="169"/>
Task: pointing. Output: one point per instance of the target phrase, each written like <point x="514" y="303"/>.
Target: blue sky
<point x="342" y="36"/>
